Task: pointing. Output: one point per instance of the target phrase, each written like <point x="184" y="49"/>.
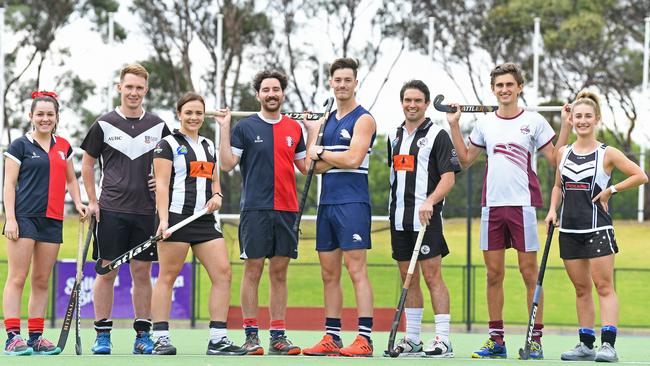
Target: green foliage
<point x="378" y="176"/>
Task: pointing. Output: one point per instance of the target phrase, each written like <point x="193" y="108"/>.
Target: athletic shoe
<point x="491" y="349"/>
<point x="143" y="344"/>
<point x="282" y="346"/>
<point x="439" y="348"/>
<point x="224" y="347"/>
<point x="579" y="353"/>
<point x="163" y="346"/>
<point x="606" y="353"/>
<point x="361" y="347"/>
<point x="327" y="346"/>
<point x="102" y="344"/>
<point x="42" y="346"/>
<point x="16" y="346"/>
<point x="252" y="345"/>
<point x="536" y="352"/>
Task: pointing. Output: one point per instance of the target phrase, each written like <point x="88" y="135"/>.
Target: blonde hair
<point x="135" y="69"/>
<point x="588" y="98"/>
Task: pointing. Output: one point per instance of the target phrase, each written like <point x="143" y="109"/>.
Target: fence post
<point x="468" y="320"/>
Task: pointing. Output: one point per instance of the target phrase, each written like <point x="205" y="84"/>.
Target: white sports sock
<point x="160" y="333"/>
<point x="217" y="333"/>
<point x="442" y="326"/>
<point x="413" y="323"/>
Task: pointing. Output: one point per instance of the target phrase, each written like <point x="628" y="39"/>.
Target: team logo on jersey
<point x="289" y="140"/>
<point x="345" y="134"/>
<point x="425" y="249"/>
<point x="61" y="155"/>
<point x="525" y="130"/>
<point x="181" y="150"/>
<point x="423" y="141"/>
<point x="150" y="139"/>
<point x="258" y="139"/>
<point x="157" y="150"/>
<point x="356" y="238"/>
<point x="35" y="155"/>
<point x="394" y="143"/>
<point x="114" y="138"/>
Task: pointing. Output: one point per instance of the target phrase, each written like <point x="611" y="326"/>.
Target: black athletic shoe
<point x="225" y="347"/>
<point x="163" y="346"/>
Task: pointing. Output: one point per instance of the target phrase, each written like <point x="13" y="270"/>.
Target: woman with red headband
<point x="38" y="166"/>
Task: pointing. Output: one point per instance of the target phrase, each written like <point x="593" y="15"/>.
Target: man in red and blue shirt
<point x="268" y="147"/>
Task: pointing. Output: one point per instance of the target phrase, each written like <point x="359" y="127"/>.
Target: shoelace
<point x="227" y="341"/>
<point x="164" y="341"/>
<point x="13" y="343"/>
<point x="489" y="344"/>
<point x="41" y="342"/>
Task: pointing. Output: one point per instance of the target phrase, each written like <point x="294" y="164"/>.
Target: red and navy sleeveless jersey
<point x="267" y="153"/>
<point x="40" y="190"/>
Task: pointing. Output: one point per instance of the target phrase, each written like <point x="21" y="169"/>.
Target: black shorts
<point x="201" y="230"/>
<point x="587" y="245"/>
<point x="266" y="234"/>
<point x="116" y="233"/>
<point x="403" y="242"/>
<point x="42" y="229"/>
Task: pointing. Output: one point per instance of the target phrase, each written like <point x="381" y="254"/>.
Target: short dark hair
<point x="415" y="84"/>
<point x="47" y="99"/>
<point x="507" y="68"/>
<point x="344" y="63"/>
<point x="270" y="74"/>
<point x="188" y="97"/>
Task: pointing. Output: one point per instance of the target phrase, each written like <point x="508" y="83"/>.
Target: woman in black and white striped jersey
<point x="187" y="181"/>
<point x="587" y="243"/>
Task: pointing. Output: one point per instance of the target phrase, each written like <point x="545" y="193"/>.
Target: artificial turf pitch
<point x="192" y="343"/>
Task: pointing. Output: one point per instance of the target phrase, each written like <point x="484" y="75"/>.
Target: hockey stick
<point x="437" y="104"/>
<point x="524" y="353"/>
<point x="402" y="299"/>
<point x="310" y="174"/>
<point x="102" y="270"/>
<point x="73" y="303"/>
<point x="293" y="115"/>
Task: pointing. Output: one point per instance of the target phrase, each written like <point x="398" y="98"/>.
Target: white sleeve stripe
<point x="299" y="156"/>
<point x="236" y="151"/>
<point x="7" y="154"/>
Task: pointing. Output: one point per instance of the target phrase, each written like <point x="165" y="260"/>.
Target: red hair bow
<point x="44" y="93"/>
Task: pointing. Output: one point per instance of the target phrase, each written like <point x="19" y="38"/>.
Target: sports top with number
<point x="345" y="185"/>
<point x="417" y="162"/>
<point x="267" y="151"/>
<point x="583" y="178"/>
<point x="124" y="147"/>
<point x="510" y="144"/>
<point x="40" y="190"/>
<point x="193" y="164"/>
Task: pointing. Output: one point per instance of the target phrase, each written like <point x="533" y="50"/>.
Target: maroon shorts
<point x="509" y="227"/>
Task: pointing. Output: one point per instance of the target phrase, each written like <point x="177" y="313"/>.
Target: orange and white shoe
<point x="361" y="347"/>
<point x="326" y="347"/>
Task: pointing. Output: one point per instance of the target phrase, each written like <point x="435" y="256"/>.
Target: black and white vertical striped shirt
<point x="417" y="161"/>
<point x="193" y="163"/>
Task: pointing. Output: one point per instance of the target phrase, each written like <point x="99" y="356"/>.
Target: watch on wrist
<point x="319" y="151"/>
<point x="613" y="189"/>
<point x="217" y="194"/>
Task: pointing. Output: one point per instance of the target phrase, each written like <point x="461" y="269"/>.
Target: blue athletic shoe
<point x="492" y="349"/>
<point x="143" y="344"/>
<point x="536" y="352"/>
<point x="102" y="344"/>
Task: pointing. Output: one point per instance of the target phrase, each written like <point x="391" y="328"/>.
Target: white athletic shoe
<point x="579" y="353"/>
<point x="407" y="348"/>
<point x="606" y="353"/>
<point x="439" y="348"/>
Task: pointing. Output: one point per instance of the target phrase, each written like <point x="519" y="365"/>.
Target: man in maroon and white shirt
<point x="511" y="192"/>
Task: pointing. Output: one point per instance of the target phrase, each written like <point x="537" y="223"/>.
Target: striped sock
<point x="537" y="332"/>
<point x="365" y="327"/>
<point x="250" y="326"/>
<point x="333" y="328"/>
<point x="442" y="326"/>
<point x="413" y="323"/>
<point x="12" y="326"/>
<point x="103" y="325"/>
<point x="35" y="327"/>
<point x="496" y="331"/>
<point x="278" y="328"/>
<point x="218" y="330"/>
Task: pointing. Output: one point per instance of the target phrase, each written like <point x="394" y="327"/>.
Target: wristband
<point x="217" y="194"/>
<point x="613" y="189"/>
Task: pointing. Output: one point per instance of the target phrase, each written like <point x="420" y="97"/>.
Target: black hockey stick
<point x="402" y="299"/>
<point x="310" y="174"/>
<point x="437" y="104"/>
<point x="102" y="270"/>
<point x="524" y="353"/>
<point x="73" y="303"/>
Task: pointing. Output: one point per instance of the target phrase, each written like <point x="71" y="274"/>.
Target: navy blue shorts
<point x="345" y="226"/>
<point x="116" y="233"/>
<point x="266" y="234"/>
<point x="40" y="229"/>
<point x="201" y="230"/>
<point x="587" y="245"/>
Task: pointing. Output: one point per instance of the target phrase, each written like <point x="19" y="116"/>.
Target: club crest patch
<point x="425" y="249"/>
<point x="181" y="150"/>
<point x="289" y="141"/>
<point x="525" y="130"/>
<point x="61" y="155"/>
<point x="422" y="142"/>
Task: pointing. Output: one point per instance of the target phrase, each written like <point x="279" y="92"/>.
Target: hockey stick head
<point x="328" y="104"/>
<point x="437" y="104"/>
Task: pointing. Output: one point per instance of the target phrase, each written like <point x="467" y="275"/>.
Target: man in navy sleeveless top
<point x="343" y="226"/>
